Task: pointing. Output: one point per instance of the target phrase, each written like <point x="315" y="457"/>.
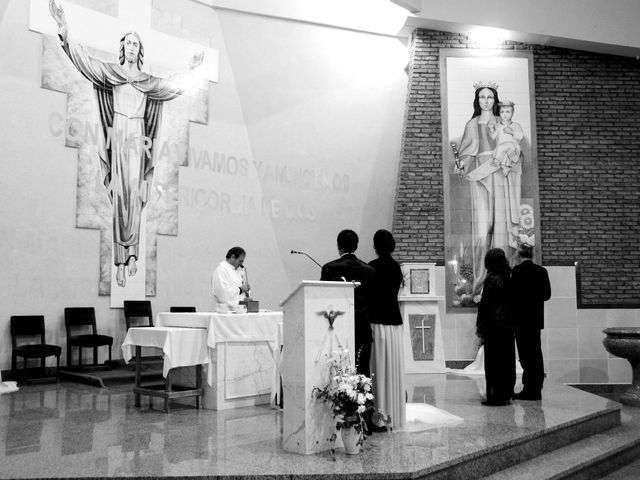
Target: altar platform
<point x="69" y="430"/>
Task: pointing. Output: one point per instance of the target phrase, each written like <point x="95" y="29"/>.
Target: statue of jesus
<point x="130" y="108"/>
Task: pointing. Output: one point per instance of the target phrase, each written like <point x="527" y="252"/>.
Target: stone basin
<point x="624" y="342"/>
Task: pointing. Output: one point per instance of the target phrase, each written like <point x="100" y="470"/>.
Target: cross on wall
<point x="102" y="31"/>
<point x="422" y="327"/>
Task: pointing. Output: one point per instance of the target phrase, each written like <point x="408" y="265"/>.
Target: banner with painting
<point x="489" y="164"/>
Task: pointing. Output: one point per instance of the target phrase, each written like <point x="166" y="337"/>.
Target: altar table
<point x="244" y="352"/>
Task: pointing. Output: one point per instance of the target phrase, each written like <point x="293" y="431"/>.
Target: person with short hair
<point x="387" y="356"/>
<point x="495" y="326"/>
<point x="228" y="282"/>
<point x="349" y="268"/>
<point x="531" y="288"/>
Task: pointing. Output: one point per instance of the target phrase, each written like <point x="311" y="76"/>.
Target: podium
<point x="318" y="319"/>
<point x="420" y="307"/>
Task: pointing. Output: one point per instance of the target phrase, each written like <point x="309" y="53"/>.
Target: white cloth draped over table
<point x="181" y="347"/>
<point x="219" y="328"/>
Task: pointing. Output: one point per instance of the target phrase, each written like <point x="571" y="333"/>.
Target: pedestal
<point x="420" y="308"/>
<point x="318" y="319"/>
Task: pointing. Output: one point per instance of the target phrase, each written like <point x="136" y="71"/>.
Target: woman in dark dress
<point x="495" y="326"/>
<point x="387" y="356"/>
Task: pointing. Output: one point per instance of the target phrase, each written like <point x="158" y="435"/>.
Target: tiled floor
<point x="70" y="430"/>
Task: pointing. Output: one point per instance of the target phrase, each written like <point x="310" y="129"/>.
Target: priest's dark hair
<point x="383" y="242"/>
<point x="236" y="252"/>
<point x="348" y="241"/>
<point x="495" y="261"/>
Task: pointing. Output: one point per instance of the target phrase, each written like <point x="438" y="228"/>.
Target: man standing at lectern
<point x="228" y="281"/>
<point x="348" y="268"/>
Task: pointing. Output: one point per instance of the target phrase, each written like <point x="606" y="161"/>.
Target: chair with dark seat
<point x="82" y="317"/>
<point x="31" y="326"/>
<point x="182" y="309"/>
<point x="140" y="309"/>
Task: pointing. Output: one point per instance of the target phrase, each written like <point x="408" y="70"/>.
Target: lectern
<point x="318" y="319"/>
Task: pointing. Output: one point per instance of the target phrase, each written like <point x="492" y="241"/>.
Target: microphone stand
<point x="295" y="252"/>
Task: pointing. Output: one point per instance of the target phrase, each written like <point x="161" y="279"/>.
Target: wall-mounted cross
<point x="101" y="31"/>
<point x="423" y="327"/>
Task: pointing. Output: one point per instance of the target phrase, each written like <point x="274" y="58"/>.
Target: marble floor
<point x="71" y="430"/>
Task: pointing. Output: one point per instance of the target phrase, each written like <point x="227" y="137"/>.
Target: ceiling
<point x="602" y="26"/>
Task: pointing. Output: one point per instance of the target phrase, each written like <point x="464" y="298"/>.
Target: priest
<point x="229" y="281"/>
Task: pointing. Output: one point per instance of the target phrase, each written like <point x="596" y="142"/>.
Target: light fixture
<point x="487" y="37"/>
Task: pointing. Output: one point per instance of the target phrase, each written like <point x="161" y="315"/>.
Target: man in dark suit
<point x="351" y="269"/>
<point x="531" y="288"/>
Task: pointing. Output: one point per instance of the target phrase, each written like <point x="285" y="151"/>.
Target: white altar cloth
<point x="228" y="327"/>
<point x="228" y="362"/>
<point x="181" y="347"/>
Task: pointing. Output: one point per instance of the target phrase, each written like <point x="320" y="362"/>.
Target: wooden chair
<point x="31" y="326"/>
<point x="75" y="317"/>
<point x="138" y="309"/>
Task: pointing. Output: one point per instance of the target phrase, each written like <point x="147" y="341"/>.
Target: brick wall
<point x="588" y="132"/>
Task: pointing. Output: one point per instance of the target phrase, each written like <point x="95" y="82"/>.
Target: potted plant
<point x="350" y="397"/>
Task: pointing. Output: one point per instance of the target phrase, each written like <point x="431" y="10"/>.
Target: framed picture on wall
<point x="489" y="163"/>
<point x="419" y="281"/>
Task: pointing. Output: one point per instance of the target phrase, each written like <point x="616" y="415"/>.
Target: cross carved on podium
<point x="423" y="327"/>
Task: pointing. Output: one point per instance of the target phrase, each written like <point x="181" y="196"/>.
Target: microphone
<point x="246" y="278"/>
<point x="295" y="252"/>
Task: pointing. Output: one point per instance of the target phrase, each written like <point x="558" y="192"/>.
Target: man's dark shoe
<point x="528" y="396"/>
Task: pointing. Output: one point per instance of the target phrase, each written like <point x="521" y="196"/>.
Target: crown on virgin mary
<point x="485" y="85"/>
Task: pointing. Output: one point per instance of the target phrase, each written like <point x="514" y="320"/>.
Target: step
<point x="502" y="456"/>
<point x="628" y="472"/>
<point x="591" y="457"/>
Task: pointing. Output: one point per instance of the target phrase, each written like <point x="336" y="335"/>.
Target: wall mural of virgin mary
<point x="490" y="166"/>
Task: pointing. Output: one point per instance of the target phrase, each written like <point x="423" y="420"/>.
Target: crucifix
<point x="100" y="30"/>
<point x="422" y="327"/>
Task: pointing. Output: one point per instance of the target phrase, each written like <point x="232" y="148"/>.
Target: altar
<point x="242" y="352"/>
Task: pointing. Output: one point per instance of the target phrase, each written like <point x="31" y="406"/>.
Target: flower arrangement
<point x="463" y="279"/>
<point x="348" y="392"/>
<point x="526" y="233"/>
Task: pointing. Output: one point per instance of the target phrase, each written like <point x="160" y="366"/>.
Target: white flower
<point x="526" y="221"/>
<point x="525" y="239"/>
<point x="368" y="396"/>
<point x="361" y="409"/>
<point x="526" y="209"/>
<point x="361" y="399"/>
